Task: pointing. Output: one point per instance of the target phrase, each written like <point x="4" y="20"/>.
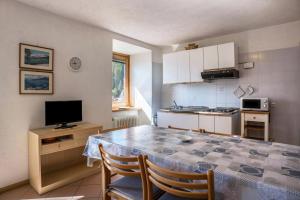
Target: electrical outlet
<point x="248" y="65"/>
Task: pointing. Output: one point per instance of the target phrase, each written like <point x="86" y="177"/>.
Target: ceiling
<point x="127" y="48"/>
<point x="167" y="22"/>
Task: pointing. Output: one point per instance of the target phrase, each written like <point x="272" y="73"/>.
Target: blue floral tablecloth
<point x="244" y="168"/>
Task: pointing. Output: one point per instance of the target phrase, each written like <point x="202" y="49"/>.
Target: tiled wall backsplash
<point x="276" y="75"/>
<point x="215" y="94"/>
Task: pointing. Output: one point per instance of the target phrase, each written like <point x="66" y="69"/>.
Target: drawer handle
<point x="254" y="117"/>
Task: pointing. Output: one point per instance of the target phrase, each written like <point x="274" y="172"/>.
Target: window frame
<point x="119" y="57"/>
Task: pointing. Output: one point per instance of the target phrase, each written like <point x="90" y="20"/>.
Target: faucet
<point x="175" y="104"/>
<point x="176" y="107"/>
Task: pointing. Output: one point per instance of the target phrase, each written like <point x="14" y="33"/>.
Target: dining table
<point x="243" y="168"/>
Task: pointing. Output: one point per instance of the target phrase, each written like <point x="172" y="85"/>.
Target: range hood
<point x="220" y="74"/>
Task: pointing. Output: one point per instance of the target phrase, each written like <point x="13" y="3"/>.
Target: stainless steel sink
<point x="187" y="109"/>
<point x="201" y="109"/>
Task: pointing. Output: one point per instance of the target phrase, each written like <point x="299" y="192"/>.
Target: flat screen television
<point x="63" y="112"/>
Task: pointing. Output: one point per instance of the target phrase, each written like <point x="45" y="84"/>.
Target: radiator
<point x="124" y="121"/>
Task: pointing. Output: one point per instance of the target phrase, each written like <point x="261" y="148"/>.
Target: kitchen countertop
<point x="255" y="112"/>
<point x="201" y="112"/>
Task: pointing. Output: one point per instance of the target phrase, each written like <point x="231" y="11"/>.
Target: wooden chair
<point x="176" y="183"/>
<point x="109" y="130"/>
<point x="132" y="185"/>
<point x="185" y="129"/>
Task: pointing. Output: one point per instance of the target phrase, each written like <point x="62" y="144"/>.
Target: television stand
<point x="65" y="126"/>
<point x="55" y="156"/>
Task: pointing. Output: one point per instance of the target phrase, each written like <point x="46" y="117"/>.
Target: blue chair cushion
<point x="131" y="186"/>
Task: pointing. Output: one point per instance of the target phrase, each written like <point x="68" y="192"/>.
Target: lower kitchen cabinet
<point x="210" y="123"/>
<point x="178" y="120"/>
<point x="164" y="119"/>
<point x="207" y="122"/>
<point x="227" y="124"/>
<point x="223" y="124"/>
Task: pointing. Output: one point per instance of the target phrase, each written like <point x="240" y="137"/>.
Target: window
<point x="120" y="80"/>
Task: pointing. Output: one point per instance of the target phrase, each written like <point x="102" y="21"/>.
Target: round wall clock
<point x="75" y="64"/>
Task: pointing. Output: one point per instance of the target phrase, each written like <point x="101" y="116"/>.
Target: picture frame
<point x="35" y="57"/>
<point x="36" y="82"/>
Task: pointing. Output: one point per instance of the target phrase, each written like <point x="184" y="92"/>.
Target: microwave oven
<point x="257" y="104"/>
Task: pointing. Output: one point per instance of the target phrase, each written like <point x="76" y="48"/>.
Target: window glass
<point x="118" y="81"/>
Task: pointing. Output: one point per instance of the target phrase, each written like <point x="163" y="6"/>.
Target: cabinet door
<point x="169" y="68"/>
<point x="183" y="64"/>
<point x="196" y="64"/>
<point x="223" y="124"/>
<point x="165" y="119"/>
<point x="211" y="60"/>
<point x="207" y="122"/>
<point x="187" y="121"/>
<point x="227" y="55"/>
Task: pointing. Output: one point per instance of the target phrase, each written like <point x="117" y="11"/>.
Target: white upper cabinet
<point x="211" y="58"/>
<point x="169" y="68"/>
<point x="186" y="66"/>
<point x="183" y="66"/>
<point x="227" y="55"/>
<point x="196" y="64"/>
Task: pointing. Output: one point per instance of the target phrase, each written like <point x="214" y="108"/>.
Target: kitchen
<point x="197" y="65"/>
<point x="261" y="75"/>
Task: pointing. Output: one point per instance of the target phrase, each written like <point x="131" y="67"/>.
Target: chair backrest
<point x="122" y="165"/>
<point x="180" y="184"/>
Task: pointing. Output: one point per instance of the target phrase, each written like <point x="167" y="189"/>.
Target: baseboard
<point x="13" y="186"/>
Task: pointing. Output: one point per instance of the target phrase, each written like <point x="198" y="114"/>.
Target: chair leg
<point x="105" y="175"/>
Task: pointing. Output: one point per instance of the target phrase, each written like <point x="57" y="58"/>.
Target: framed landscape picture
<point x="35" y="57"/>
<point x="36" y="82"/>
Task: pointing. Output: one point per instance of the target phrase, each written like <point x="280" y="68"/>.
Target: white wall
<point x="156" y="51"/>
<point x="252" y="42"/>
<point x="268" y="38"/>
<point x="220" y="93"/>
<point x="141" y="84"/>
<point x="156" y="86"/>
<point x="19" y="113"/>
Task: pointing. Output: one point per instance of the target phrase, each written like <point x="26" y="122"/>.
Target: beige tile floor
<point x="85" y="189"/>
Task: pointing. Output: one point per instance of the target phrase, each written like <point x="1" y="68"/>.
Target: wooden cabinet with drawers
<point x="55" y="156"/>
<point x="255" y="121"/>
